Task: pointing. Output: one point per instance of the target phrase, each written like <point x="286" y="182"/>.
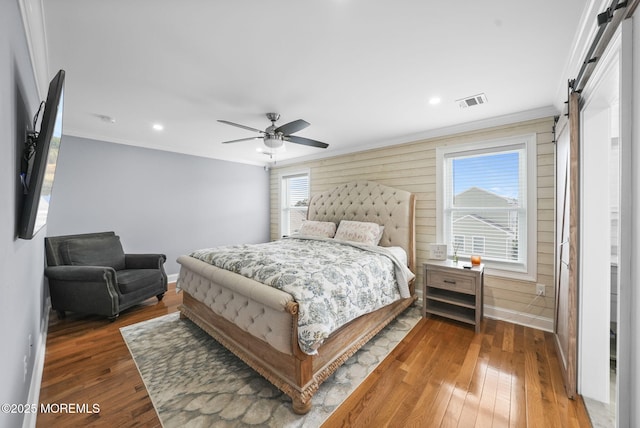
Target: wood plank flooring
<point x="441" y="375"/>
<point x="88" y="362"/>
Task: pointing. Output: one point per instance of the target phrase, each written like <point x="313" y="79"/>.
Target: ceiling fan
<point x="274" y="137"/>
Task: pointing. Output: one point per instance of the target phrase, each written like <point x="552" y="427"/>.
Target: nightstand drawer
<point x="451" y="281"/>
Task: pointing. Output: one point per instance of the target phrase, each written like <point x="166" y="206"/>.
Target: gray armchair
<point x="91" y="274"/>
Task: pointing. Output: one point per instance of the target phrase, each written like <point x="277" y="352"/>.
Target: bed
<point x="264" y="325"/>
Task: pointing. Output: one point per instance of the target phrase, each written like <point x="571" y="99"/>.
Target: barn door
<point x="566" y="322"/>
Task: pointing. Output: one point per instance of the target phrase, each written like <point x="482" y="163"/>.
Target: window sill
<point x="510" y="274"/>
<point x="501" y="270"/>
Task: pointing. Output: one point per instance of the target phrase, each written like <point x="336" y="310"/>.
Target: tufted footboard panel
<point x="260" y="310"/>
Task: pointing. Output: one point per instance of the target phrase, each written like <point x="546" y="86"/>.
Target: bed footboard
<point x="279" y="368"/>
<point x="263" y="312"/>
<point x="296" y="374"/>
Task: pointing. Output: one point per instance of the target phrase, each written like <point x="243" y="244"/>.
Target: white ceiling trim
<point x="507" y="119"/>
<point x="151" y="146"/>
<point x="585" y="33"/>
<point x="32" y="12"/>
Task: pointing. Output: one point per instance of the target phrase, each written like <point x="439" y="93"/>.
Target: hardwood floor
<point x="442" y="374"/>
<point x="88" y="362"/>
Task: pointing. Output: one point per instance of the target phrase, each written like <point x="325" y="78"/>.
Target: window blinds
<point x="485" y="203"/>
<point x="295" y="201"/>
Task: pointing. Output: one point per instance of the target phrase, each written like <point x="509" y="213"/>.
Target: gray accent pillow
<point x="103" y="251"/>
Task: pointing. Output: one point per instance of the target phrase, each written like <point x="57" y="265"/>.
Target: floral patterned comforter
<point x="333" y="282"/>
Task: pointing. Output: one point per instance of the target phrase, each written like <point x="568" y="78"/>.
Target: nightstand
<point x="453" y="292"/>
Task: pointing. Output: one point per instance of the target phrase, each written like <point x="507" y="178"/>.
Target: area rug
<point x="195" y="382"/>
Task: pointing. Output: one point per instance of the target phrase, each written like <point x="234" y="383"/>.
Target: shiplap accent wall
<point x="412" y="167"/>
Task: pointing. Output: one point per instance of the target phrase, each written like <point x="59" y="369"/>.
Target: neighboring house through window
<point x="487" y="202"/>
<point x="478" y="245"/>
<point x="294" y="197"/>
<point x="458" y="243"/>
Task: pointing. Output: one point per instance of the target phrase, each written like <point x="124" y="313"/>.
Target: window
<point x="487" y="202"/>
<point x="294" y="198"/>
<point x="478" y="245"/>
<point x="458" y="243"/>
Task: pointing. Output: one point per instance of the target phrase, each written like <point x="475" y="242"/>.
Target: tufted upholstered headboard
<point x="369" y="201"/>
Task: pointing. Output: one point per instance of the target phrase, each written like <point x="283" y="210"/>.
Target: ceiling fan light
<point x="273" y="142"/>
<point x="274" y="150"/>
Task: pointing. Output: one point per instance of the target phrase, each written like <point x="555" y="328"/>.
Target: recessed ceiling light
<point x="158" y="126"/>
<point x="434" y="100"/>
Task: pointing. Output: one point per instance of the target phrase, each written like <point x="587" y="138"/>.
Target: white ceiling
<point x="360" y="71"/>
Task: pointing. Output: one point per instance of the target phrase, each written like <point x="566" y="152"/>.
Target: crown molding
<point x="507" y="119"/>
<point x="32" y="12"/>
<point x="585" y="33"/>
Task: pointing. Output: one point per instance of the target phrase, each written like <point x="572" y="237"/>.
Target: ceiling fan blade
<point x="242" y="139"/>
<point x="306" y="141"/>
<point x="291" y="127"/>
<point x="240" y="126"/>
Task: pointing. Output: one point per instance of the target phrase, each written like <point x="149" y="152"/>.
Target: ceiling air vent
<point x="472" y="101"/>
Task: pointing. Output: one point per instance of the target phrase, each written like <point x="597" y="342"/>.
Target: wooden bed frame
<point x="295" y="373"/>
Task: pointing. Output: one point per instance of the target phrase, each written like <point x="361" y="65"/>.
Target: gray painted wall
<point x="21" y="262"/>
<point x="157" y="201"/>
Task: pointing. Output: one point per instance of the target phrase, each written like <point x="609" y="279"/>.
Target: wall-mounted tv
<point x="39" y="166"/>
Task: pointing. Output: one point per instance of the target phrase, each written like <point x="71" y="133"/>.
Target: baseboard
<point x="527" y="320"/>
<point x="29" y="420"/>
<point x="172" y="277"/>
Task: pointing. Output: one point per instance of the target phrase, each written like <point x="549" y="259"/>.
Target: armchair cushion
<point x="99" y="251"/>
<point x="130" y="280"/>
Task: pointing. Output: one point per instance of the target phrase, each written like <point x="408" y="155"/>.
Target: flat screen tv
<point x="39" y="165"/>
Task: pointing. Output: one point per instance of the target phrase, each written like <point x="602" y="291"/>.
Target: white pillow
<point x="325" y="229"/>
<point x="359" y="231"/>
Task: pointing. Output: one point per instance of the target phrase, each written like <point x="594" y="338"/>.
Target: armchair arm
<point x="144" y="261"/>
<point x="79" y="273"/>
<point x="84" y="289"/>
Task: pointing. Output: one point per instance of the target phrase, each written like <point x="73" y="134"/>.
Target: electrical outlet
<point x="540" y="290"/>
